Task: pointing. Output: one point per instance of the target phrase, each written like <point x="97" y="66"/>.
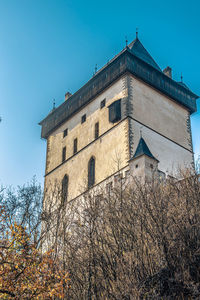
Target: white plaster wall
<point x="171" y="156"/>
<point x="160" y="113"/>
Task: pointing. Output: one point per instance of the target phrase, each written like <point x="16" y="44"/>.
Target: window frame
<point x="103" y="103"/>
<point x="96" y="130"/>
<point x="91" y="172"/>
<point x="83" y="119"/>
<point x="65" y="186"/>
<point x="64" y="153"/>
<point x="65" y="132"/>
<point x="75" y="149"/>
<point x="115" y="111"/>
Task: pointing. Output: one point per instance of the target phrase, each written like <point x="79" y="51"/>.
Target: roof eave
<point x="143" y="154"/>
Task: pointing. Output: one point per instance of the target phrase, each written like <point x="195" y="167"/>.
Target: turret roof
<point x="142" y="149"/>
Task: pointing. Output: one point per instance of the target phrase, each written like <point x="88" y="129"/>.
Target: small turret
<point x="143" y="165"/>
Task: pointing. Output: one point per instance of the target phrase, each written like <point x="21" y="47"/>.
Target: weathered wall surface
<point x="165" y="128"/>
<point x="160" y="113"/>
<point x="110" y="155"/>
<point x="171" y="156"/>
<point x="83" y="132"/>
<point x="144" y="168"/>
<point x="110" y="149"/>
<point x="164" y="124"/>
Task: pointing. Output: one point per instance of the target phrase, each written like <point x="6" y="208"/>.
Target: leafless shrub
<point x="138" y="242"/>
<point x="24" y="206"/>
<point x="142" y="242"/>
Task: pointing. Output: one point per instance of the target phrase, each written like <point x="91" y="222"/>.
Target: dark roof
<point x="184" y="85"/>
<point x="133" y="59"/>
<point x="138" y="50"/>
<point x="142" y="149"/>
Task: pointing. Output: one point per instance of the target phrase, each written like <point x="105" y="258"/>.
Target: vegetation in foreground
<point x="136" y="243"/>
<point x="26" y="272"/>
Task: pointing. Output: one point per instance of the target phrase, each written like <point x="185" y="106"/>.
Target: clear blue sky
<point x="48" y="47"/>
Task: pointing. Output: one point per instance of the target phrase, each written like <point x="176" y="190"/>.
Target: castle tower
<point x="94" y="133"/>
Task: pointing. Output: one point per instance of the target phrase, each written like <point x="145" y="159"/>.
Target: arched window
<point x="65" y="182"/>
<point x="91" y="172"/>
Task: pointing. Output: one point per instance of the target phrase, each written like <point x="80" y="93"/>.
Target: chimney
<point x="168" y="71"/>
<point x="67" y="96"/>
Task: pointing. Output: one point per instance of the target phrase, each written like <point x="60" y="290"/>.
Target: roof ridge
<point x="140" y="51"/>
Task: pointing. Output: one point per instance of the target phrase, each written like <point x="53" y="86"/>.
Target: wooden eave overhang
<point x="124" y="62"/>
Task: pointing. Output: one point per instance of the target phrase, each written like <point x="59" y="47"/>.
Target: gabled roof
<point x="138" y="50"/>
<point x="142" y="149"/>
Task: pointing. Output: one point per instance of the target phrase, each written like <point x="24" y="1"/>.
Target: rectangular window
<point x="115" y="111"/>
<point x="65" y="132"/>
<point x="75" y="145"/>
<point x="103" y="103"/>
<point x="96" y="130"/>
<point x="63" y="154"/>
<point x="91" y="172"/>
<point x="83" y="118"/>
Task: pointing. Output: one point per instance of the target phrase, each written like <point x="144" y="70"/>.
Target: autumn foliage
<point x="25" y="272"/>
<point x="131" y="242"/>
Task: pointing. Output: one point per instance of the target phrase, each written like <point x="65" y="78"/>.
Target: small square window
<point x="75" y="145"/>
<point x="63" y="154"/>
<point x="65" y="132"/>
<point x="103" y="103"/>
<point x="83" y="118"/>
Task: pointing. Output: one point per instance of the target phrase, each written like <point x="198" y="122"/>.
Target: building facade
<point x="130" y="117"/>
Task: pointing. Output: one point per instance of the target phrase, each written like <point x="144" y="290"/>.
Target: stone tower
<point x="95" y="133"/>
